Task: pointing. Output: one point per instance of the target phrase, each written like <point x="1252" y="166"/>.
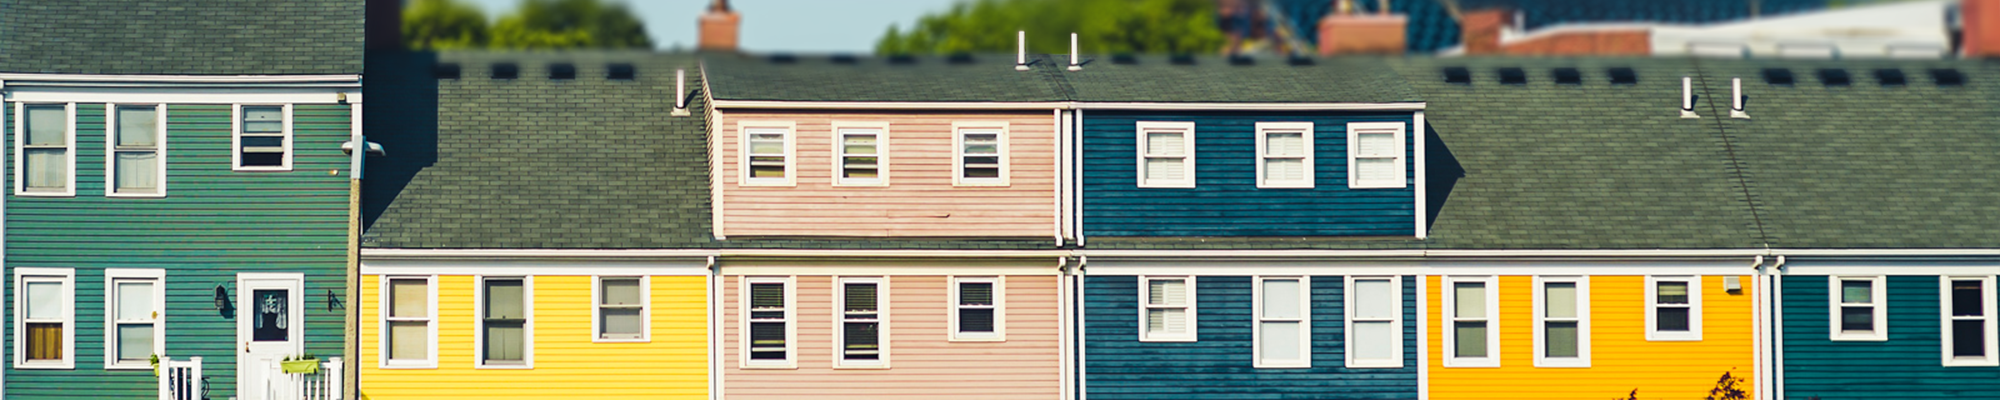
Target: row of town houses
<point x="195" y="214"/>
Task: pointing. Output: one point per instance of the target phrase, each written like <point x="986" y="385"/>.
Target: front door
<point x="269" y="327"/>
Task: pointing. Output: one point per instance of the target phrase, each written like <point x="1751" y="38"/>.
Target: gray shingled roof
<point x="182" y="37"/>
<point x="1217" y="79"/>
<point x="984" y="78"/>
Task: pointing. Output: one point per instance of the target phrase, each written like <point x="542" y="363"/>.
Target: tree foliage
<point x="443" y="25"/>
<point x="536" y="24"/>
<point x="1102" y="26"/>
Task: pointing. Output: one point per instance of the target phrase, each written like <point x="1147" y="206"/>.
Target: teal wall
<point x="213" y="224"/>
<point x="1907" y="366"/>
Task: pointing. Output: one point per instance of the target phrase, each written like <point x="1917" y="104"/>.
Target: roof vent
<point x="445" y="71"/>
<point x="1834" y="77"/>
<point x="1242" y="60"/>
<point x="1458" y="75"/>
<point x="506" y="71"/>
<point x="1948" y="77"/>
<point x="842" y="59"/>
<point x="959" y="58"/>
<point x="1181" y="59"/>
<point x="1687" y="98"/>
<point x="1778" y="76"/>
<point x="1891" y="77"/>
<point x="1298" y="60"/>
<point x="902" y="59"/>
<point x="1124" y="59"/>
<point x="621" y="71"/>
<point x="1513" y="76"/>
<point x="1623" y="76"/>
<point x="564" y="71"/>
<point x="1568" y="76"/>
<point x="783" y="59"/>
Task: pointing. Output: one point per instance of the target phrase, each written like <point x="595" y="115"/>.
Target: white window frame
<point x="1653" y="332"/>
<point x="1145" y="296"/>
<point x="112" y="277"/>
<point x="743" y="294"/>
<point x="236" y="138"/>
<point x="1257" y="323"/>
<point x="385" y="302"/>
<point x="1879" y="295"/>
<point x="21" y="145"/>
<point x="111" y="188"/>
<point x="791" y="153"/>
<point x="597" y="309"/>
<point x="1395" y="282"/>
<point x="1264" y="129"/>
<point x="1492" y="358"/>
<point x="1582" y="320"/>
<point x="1354" y="131"/>
<point x="881" y="360"/>
<point x="958" y="132"/>
<point x="999" y="310"/>
<point x="1944" y="313"/>
<point x="65" y="276"/>
<point x="479" y="322"/>
<point x="1186" y="128"/>
<point x="840" y="154"/>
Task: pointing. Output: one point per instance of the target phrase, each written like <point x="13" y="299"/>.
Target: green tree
<point x="443" y="25"/>
<point x="563" y="24"/>
<point x="1102" y="26"/>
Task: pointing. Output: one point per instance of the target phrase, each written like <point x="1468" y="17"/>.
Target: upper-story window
<point x="1673" y="308"/>
<point x="622" y="309"/>
<point x="1860" y="311"/>
<point x="45" y="139"/>
<point x="45" y="326"/>
<point x="1166" y="154"/>
<point x="506" y="331"/>
<point x="861" y="329"/>
<point x="1375" y="154"/>
<point x="137" y="137"/>
<point x="409" y="327"/>
<point x="1168" y="305"/>
<point x="1562" y="321"/>
<point x="768" y="313"/>
<point x="980" y="155"/>
<point x="860" y="157"/>
<point x="1284" y="155"/>
<point x="263" y="138"/>
<point x="768" y="155"/>
<point x="1472" y="305"/>
<point x="1282" y="336"/>
<point x="978" y="313"/>
<point x="133" y="329"/>
<point x="1374" y="322"/>
<point x="1969" y="322"/>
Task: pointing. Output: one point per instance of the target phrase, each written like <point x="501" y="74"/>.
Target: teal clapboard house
<point x="177" y="194"/>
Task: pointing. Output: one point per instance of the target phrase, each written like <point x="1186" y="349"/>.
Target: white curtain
<point x="135" y="301"/>
<point x="411" y="298"/>
<point x="409" y="340"/>
<point x="1470" y="299"/>
<point x="1559" y="300"/>
<point x="1376" y="340"/>
<point x="1280" y="341"/>
<point x="47" y="168"/>
<point x="135" y="342"/>
<point x="137" y="170"/>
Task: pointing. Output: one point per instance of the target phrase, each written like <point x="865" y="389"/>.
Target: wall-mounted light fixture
<point x="222" y="300"/>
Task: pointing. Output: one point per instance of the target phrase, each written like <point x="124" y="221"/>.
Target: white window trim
<point x="1395" y="282"/>
<point x="881" y="323"/>
<point x="1653" y="333"/>
<point x="1354" y="130"/>
<point x="236" y="139"/>
<point x="1880" y="304"/>
<point x="112" y="276"/>
<point x="958" y="154"/>
<point x="384" y="303"/>
<point x="791" y="360"/>
<point x="20" y="154"/>
<point x="645" y="309"/>
<point x="1582" y="359"/>
<point x="1263" y="131"/>
<point x="881" y="154"/>
<point x="791" y="178"/>
<point x="1258" y="319"/>
<point x="1944" y="313"/>
<point x="1145" y="294"/>
<point x="1492" y="358"/>
<point x="66" y="276"/>
<point x="1187" y="168"/>
<point x="999" y="310"/>
<point x="111" y="153"/>
<point x="479" y="323"/>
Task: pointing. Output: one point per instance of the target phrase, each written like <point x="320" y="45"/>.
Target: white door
<point x="269" y="327"/>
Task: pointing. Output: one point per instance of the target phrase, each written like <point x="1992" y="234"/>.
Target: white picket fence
<point x="322" y="385"/>
<point x="180" y="379"/>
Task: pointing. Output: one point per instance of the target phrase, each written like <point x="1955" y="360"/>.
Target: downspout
<point x="1777" y="271"/>
<point x="1057" y="116"/>
<point x="1758" y="342"/>
<point x="1076" y="177"/>
<point x="714" y="330"/>
<point x="1064" y="327"/>
<point x="8" y="108"/>
<point x="1082" y="314"/>
<point x="351" y="343"/>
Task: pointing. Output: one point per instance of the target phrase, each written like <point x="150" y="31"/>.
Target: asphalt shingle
<point x="182" y="37"/>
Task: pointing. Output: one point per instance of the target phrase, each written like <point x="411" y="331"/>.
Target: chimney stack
<point x="1480" y="30"/>
<point x="1980" y="20"/>
<point x="719" y="27"/>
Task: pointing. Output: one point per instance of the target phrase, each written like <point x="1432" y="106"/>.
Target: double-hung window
<point x="768" y="154"/>
<point x="137" y="137"/>
<point x="1374" y="322"/>
<point x="1283" y="333"/>
<point x="45" y="144"/>
<point x="862" y="336"/>
<point x="978" y="309"/>
<point x="263" y="138"/>
<point x="768" y="312"/>
<point x="45" y="326"/>
<point x="622" y="309"/>
<point x="1285" y="155"/>
<point x="861" y="158"/>
<point x="133" y="331"/>
<point x="1375" y="155"/>
<point x="1562" y="321"/>
<point x="1168" y="309"/>
<point x="1474" y="316"/>
<point x="1166" y="154"/>
<point x="980" y="154"/>
<point x="1860" y="309"/>
<point x="505" y="331"/>
<point x="409" y="335"/>
<point x="1673" y="308"/>
<point x="1969" y="328"/>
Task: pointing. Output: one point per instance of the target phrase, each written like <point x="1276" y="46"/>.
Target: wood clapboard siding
<point x="923" y="363"/>
<point x="213" y="224"/>
<point x="1218" y="365"/>
<point x="1907" y="366"/>
<point x="920" y="199"/>
<point x="673" y="365"/>
<point x="1225" y="200"/>
<point x="1621" y="357"/>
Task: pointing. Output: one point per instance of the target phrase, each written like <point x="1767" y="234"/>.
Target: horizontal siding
<point x="1907" y="366"/>
<point x="673" y="365"/>
<point x="213" y="224"/>
<point x="1218" y="365"/>
<point x="1225" y="200"/>
<point x="920" y="199"/>
<point x="924" y="364"/>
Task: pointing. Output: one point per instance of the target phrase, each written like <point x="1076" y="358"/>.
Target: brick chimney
<point x="719" y="27"/>
<point x="1981" y="27"/>
<point x="1361" y="34"/>
<point x="1480" y="30"/>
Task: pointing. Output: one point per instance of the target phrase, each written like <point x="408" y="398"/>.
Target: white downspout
<point x="1758" y="315"/>
<point x="714" y="330"/>
<point x="1057" y="119"/>
<point x="1063" y="327"/>
<point x="1777" y="352"/>
<point x="1076" y="159"/>
<point x="1082" y="314"/>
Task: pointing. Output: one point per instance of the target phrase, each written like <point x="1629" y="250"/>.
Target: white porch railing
<point x="322" y="385"/>
<point x="180" y="379"/>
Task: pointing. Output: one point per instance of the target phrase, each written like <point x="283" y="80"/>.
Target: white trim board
<point x="694" y="267"/>
<point x="1060" y="105"/>
<point x="183" y="96"/>
<point x="342" y="78"/>
<point x="893" y="270"/>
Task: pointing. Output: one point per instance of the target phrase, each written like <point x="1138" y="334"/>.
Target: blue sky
<point x="804" y="26"/>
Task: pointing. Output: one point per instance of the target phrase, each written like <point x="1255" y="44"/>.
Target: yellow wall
<point x="1621" y="358"/>
<point x="567" y="364"/>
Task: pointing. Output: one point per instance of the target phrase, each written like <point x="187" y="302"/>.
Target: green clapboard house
<point x="177" y="194"/>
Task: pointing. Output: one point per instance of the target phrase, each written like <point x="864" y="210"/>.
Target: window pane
<point x="505" y="341"/>
<point x="137" y="170"/>
<point x="138" y="126"/>
<point x="1968" y="338"/>
<point x="1284" y="169"/>
<point x="410" y="298"/>
<point x="975" y="320"/>
<point x="45" y="341"/>
<point x="409" y="340"/>
<point x="272" y="316"/>
<point x="1471" y="337"/>
<point x="1281" y="298"/>
<point x="767" y="143"/>
<point x="767" y="167"/>
<point x="1165" y="144"/>
<point x="1858" y="292"/>
<point x="503" y="299"/>
<point x="860" y="167"/>
<point x="45" y="300"/>
<point x="1857" y="319"/>
<point x="621" y="323"/>
<point x="861" y="298"/>
<point x="135" y="301"/>
<point x="1672" y="292"/>
<point x="767" y="341"/>
<point x="622" y="291"/>
<point x="1166" y="169"/>
<point x="135" y="342"/>
<point x="1280" y="341"/>
<point x="46" y="168"/>
<point x="767" y="301"/>
<point x="1470" y="299"/>
<point x="975" y="293"/>
<point x="48" y="125"/>
<point x="1376" y="170"/>
<point x="276" y="159"/>
<point x="858" y="142"/>
<point x="1559" y="299"/>
<point x="1376" y="299"/>
<point x="1672" y="319"/>
<point x="863" y="341"/>
<point x="1376" y="340"/>
<point x="982" y="143"/>
<point x="1284" y="144"/>
<point x="1167" y="292"/>
<point x="1166" y="320"/>
<point x="1562" y="340"/>
<point x="1377" y="145"/>
<point x="1967" y="299"/>
<point x="263" y="120"/>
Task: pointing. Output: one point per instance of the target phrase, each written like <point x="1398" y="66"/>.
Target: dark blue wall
<point x="1225" y="200"/>
<point x="1218" y="364"/>
<point x="1907" y="366"/>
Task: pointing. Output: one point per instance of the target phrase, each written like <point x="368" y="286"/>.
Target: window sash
<point x="48" y="149"/>
<point x="407" y="314"/>
<point x="1166" y="311"/>
<point x="767" y="155"/>
<point x="1562" y="326"/>
<point x="1285" y="155"/>
<point x="977" y="315"/>
<point x="47" y="326"/>
<point x="1673" y="307"/>
<point x="263" y="132"/>
<point x="1166" y="154"/>
<point x="1968" y="321"/>
<point x="1376" y="155"/>
<point x="981" y="155"/>
<point x="859" y="153"/>
<point x="1374" y="315"/>
<point x="861" y="322"/>
<point x="767" y="322"/>
<point x="1283" y="340"/>
<point x="621" y="308"/>
<point x="503" y="323"/>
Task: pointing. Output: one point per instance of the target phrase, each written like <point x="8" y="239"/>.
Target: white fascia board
<point x="543" y="267"/>
<point x="388" y="254"/>
<point x="1402" y="106"/>
<point x="1060" y="105"/>
<point x="178" y="95"/>
<point x="353" y="79"/>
